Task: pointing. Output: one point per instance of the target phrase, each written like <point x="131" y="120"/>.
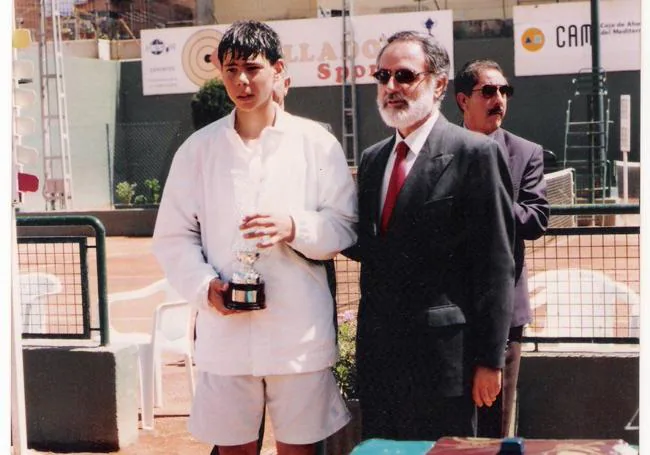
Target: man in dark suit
<point x="482" y="94"/>
<point x="437" y="268"/>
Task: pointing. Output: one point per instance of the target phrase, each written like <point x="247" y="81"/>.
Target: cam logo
<point x="532" y="39"/>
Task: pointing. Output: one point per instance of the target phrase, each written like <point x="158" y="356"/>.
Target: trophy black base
<point x="245" y="297"/>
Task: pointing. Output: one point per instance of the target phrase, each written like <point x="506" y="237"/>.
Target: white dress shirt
<point x="415" y="141"/>
<point x="296" y="168"/>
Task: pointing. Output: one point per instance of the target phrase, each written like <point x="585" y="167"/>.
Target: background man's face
<point x="483" y="114"/>
<point x="281" y="88"/>
<point x="249" y="83"/>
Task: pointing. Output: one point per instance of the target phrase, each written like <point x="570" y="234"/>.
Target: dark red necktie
<point x="397" y="178"/>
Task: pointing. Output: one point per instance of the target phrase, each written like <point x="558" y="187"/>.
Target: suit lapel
<point x="511" y="158"/>
<point x="500" y="137"/>
<point x="426" y="171"/>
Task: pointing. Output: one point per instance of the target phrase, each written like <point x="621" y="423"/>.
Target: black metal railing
<point x="54" y="277"/>
<point x="583" y="279"/>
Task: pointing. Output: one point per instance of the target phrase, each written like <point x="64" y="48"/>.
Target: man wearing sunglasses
<point x="435" y="244"/>
<point x="482" y="94"/>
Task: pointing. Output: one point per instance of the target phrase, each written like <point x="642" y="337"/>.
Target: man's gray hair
<point x="435" y="54"/>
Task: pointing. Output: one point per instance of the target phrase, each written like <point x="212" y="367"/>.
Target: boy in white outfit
<point x="303" y="206"/>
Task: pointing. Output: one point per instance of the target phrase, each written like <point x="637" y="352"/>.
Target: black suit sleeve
<point x="531" y="207"/>
<point x="489" y="217"/>
<point x="355" y="252"/>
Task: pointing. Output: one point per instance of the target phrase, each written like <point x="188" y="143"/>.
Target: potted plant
<point x="124" y="192"/>
<point x="345" y="372"/>
<point x="153" y="185"/>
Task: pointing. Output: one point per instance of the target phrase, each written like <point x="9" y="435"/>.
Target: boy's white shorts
<point x="304" y="408"/>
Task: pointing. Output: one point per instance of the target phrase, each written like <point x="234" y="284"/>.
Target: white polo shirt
<point x="297" y="168"/>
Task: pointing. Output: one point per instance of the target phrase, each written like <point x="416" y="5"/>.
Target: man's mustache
<point x="495" y="110"/>
<point x="394" y="97"/>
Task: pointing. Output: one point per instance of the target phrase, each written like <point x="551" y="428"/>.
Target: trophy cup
<point x="246" y="286"/>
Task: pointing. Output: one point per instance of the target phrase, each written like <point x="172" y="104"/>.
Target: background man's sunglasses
<point x="488" y="91"/>
<point x="402" y="76"/>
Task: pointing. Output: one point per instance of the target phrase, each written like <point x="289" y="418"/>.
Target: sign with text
<point x="180" y="60"/>
<point x="556" y="38"/>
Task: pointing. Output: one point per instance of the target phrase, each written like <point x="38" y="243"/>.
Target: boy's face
<point x="249" y="83"/>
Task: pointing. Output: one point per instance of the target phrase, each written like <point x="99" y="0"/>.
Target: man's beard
<point x="414" y="111"/>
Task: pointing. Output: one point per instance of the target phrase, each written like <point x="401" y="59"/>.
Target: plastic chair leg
<point x="146" y="385"/>
<point x="158" y="388"/>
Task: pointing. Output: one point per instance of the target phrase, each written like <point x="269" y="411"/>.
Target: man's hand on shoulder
<point x="268" y="229"/>
<point x="486" y="385"/>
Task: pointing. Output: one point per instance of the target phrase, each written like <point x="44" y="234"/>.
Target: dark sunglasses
<point x="488" y="91"/>
<point x="402" y="76"/>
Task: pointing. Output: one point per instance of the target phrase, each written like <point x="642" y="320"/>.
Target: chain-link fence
<point x="583" y="282"/>
<point x="347" y="285"/>
<point x="143" y="153"/>
<point x="53" y="286"/>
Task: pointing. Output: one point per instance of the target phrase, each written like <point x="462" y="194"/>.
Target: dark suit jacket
<point x="436" y="289"/>
<point x="531" y="209"/>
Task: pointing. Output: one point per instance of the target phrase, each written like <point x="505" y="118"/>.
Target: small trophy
<point x="246" y="287"/>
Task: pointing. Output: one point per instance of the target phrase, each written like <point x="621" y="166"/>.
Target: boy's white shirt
<point x="296" y="168"/>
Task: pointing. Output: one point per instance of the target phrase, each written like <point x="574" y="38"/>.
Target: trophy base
<point x="245" y="297"/>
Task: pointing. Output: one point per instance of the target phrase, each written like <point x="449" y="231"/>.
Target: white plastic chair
<point x="35" y="287"/>
<point x="582" y="303"/>
<point x="171" y="332"/>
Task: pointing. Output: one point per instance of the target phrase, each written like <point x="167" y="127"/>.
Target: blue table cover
<point x="387" y="447"/>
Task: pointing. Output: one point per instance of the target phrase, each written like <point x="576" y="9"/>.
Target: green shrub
<point x="140" y="199"/>
<point x="345" y="370"/>
<point x="210" y="103"/>
<point x="154" y="189"/>
<point x="124" y="191"/>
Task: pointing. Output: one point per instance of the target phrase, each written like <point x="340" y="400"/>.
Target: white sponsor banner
<point x="179" y="60"/>
<point x="555" y="38"/>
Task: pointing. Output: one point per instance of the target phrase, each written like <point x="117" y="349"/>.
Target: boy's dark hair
<point x="248" y="39"/>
